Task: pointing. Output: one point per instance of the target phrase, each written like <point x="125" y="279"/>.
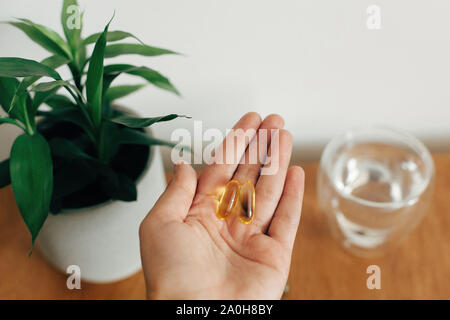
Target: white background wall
<point x="314" y="62"/>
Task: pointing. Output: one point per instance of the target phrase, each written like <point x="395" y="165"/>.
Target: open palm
<point x="188" y="253"/>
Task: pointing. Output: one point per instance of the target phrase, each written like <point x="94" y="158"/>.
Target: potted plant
<point x="79" y="157"/>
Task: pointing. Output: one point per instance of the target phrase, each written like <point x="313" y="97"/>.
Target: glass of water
<point x="374" y="186"/>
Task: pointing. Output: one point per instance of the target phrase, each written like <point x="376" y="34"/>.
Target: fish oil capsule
<point x="246" y="202"/>
<point x="228" y="200"/>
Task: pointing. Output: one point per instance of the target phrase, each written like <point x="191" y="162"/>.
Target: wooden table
<point x="418" y="269"/>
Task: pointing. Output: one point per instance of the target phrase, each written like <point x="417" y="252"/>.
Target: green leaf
<point x="52" y="62"/>
<point x="108" y="146"/>
<point x="130" y="136"/>
<point x="155" y="78"/>
<point x="41" y="97"/>
<point x="116" y="69"/>
<point x="67" y="149"/>
<point x="10" y="121"/>
<point x="55" y="62"/>
<point x="18" y="67"/>
<point x="27" y="67"/>
<point x="112" y="36"/>
<point x="32" y="180"/>
<point x="94" y="82"/>
<point x="4" y="173"/>
<point x="72" y="115"/>
<point x="118" y="92"/>
<point x="13" y="105"/>
<point x="17" y="99"/>
<point x="47" y="86"/>
<point x="45" y="37"/>
<point x="8" y="87"/>
<point x="46" y="89"/>
<point x="152" y="76"/>
<point x="133" y="122"/>
<point x="80" y="58"/>
<point x="58" y="101"/>
<point x="114" y="50"/>
<point x="111" y="72"/>
<point x="52" y="35"/>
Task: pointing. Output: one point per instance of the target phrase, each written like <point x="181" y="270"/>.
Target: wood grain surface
<point x="419" y="268"/>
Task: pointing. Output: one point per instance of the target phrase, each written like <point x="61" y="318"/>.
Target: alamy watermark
<point x="374" y="280"/>
<point x="239" y="147"/>
<point x="373" y="21"/>
<point x="74" y="280"/>
<point x="74" y="17"/>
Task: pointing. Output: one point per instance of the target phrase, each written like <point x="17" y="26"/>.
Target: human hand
<point x="188" y="253"/>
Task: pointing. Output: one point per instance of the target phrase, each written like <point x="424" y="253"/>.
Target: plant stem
<point x="101" y="143"/>
<point x="76" y="76"/>
<point x="28" y="124"/>
<point x="81" y="105"/>
<point x="94" y="132"/>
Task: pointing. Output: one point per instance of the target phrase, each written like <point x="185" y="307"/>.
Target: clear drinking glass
<point x="374" y="185"/>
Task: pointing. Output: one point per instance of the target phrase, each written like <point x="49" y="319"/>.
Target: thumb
<point x="176" y="200"/>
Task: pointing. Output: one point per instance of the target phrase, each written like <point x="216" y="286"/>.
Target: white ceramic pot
<point x="103" y="240"/>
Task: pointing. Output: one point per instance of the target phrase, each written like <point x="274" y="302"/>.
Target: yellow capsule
<point x="228" y="200"/>
<point x="246" y="202"/>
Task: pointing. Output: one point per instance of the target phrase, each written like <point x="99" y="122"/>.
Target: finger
<point x="257" y="150"/>
<point x="221" y="171"/>
<point x="271" y="182"/>
<point x="284" y="224"/>
<point x="176" y="200"/>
